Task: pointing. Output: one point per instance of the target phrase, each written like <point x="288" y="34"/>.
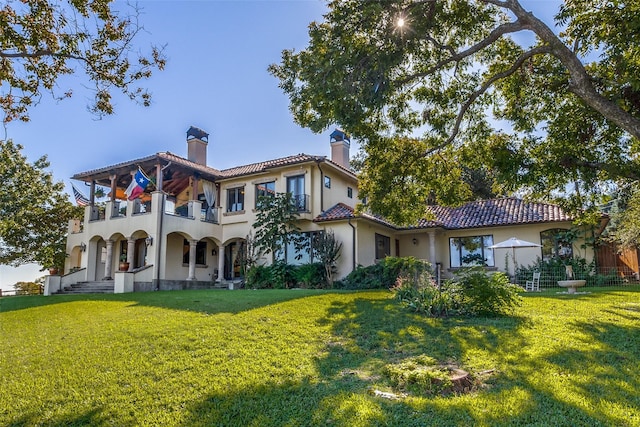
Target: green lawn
<point x="296" y="357"/>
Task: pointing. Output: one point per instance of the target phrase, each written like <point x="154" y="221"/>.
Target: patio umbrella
<point x="514" y="243"/>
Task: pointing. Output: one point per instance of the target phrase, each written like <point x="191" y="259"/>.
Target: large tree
<point x="43" y="40"/>
<point x="34" y="211"/>
<point x="434" y="87"/>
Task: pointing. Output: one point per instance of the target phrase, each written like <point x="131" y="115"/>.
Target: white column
<point x="131" y="252"/>
<point x="192" y="259"/>
<point x="108" y="261"/>
<point x="221" y="250"/>
<point x="432" y="248"/>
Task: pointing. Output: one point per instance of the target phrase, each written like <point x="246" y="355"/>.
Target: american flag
<point x="80" y="199"/>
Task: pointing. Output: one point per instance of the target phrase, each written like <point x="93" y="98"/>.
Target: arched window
<point x="555" y="244"/>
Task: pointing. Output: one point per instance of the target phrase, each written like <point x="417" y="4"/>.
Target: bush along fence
<point x="554" y="270"/>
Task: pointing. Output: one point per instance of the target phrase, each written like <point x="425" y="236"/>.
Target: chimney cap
<point x="339" y="135"/>
<point x="195" y="132"/>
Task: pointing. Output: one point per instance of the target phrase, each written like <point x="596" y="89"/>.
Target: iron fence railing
<point x="300" y="202"/>
<point x="611" y="276"/>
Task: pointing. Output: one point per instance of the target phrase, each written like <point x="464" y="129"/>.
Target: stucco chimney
<point x="340" y="148"/>
<point x="197" y="141"/>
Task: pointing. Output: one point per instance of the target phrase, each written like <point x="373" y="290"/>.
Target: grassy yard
<point x="296" y="358"/>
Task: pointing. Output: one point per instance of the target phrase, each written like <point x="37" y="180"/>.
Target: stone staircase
<point x="98" y="287"/>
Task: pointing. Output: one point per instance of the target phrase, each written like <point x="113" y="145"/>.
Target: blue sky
<point x="216" y="79"/>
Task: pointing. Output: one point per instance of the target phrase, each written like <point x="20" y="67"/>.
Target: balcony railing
<point x="210" y="215"/>
<point x="191" y="209"/>
<point x="300" y="202"/>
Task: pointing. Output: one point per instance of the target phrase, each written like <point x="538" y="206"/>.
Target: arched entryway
<point x="234" y="259"/>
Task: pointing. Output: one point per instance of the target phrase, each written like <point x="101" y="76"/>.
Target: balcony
<point x="300" y="202"/>
<point x="193" y="209"/>
<point x="128" y="216"/>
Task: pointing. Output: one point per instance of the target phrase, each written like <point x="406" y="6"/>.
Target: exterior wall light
<point x="149" y="241"/>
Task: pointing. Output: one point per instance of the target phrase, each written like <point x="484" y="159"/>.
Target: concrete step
<point x="98" y="287"/>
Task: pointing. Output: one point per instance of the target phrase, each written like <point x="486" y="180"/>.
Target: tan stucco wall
<point x="524" y="256"/>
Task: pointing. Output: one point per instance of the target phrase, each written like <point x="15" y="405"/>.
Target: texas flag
<point x="137" y="186"/>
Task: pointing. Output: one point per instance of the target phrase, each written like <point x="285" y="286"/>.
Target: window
<point x="469" y="251"/>
<point x="298" y="255"/>
<point x="556" y="244"/>
<point x="201" y="253"/>
<point x="235" y="199"/>
<point x="383" y="246"/>
<point x="265" y="189"/>
<point x="295" y="186"/>
<point x="350" y="192"/>
<point x="327" y="181"/>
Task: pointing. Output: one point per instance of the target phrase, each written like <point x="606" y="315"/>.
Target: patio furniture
<point x="533" y="285"/>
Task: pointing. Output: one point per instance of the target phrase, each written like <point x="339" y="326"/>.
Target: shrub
<point x="310" y="275"/>
<point x="553" y="269"/>
<point x="278" y="275"/>
<point x="385" y="273"/>
<point x="423" y="296"/>
<point x="610" y="278"/>
<point x="258" y="277"/>
<point x="485" y="294"/>
<point x="363" y="278"/>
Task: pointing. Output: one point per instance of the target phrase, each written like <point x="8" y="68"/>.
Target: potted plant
<point x="124" y="265"/>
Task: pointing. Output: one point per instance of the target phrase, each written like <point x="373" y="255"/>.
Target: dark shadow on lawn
<point x="370" y="333"/>
<point x="615" y="381"/>
<point x="200" y="301"/>
<point x="93" y="417"/>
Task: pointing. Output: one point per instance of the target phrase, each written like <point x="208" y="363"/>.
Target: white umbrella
<point x="514" y="243"/>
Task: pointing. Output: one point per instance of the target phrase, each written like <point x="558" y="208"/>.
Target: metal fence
<point x="610" y="276"/>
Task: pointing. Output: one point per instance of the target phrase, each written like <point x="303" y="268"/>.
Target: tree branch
<point x="485" y="86"/>
<point x="498" y="32"/>
<point x="580" y="80"/>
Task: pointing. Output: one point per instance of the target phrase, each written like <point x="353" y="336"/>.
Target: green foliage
<point x="384" y="274"/>
<point x="248" y="254"/>
<point x="326" y="250"/>
<point x="423" y="296"/>
<point x="44" y="40"/>
<point x="449" y="74"/>
<point x="419" y="375"/>
<point x="278" y="275"/>
<point x="308" y="357"/>
<point x="311" y="276"/>
<point x="34" y="211"/>
<point x="554" y="269"/>
<point x="276" y="224"/>
<point x="29" y="288"/>
<point x="258" y="277"/>
<point x="610" y="278"/>
<point x="627" y="229"/>
<point x="473" y="292"/>
<point x="482" y="294"/>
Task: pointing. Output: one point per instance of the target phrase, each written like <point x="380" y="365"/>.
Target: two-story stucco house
<point x="187" y="227"/>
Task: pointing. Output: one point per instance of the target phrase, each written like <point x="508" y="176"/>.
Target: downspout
<point x="321" y="186"/>
<point x="353" y="246"/>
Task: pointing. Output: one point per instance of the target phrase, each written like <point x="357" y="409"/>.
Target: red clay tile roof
<point x="481" y="213"/>
<point x="275" y="163"/>
<point x="341" y="211"/>
<point x="493" y="212"/>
